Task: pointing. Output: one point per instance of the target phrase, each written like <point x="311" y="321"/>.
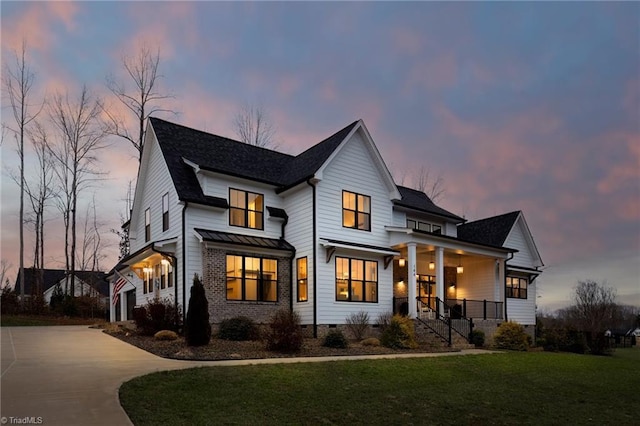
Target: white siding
<point x="517" y="240"/>
<point x="523" y="310"/>
<point x="478" y="281"/>
<point x="354" y="170"/>
<point x="398" y="219"/>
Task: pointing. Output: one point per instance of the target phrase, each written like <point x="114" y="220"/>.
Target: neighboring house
<point x="89" y="283"/>
<point x="326" y="233"/>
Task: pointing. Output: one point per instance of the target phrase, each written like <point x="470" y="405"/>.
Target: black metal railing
<point x="434" y="319"/>
<point x="479" y="309"/>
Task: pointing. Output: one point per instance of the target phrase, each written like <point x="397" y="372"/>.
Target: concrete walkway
<point x="70" y="375"/>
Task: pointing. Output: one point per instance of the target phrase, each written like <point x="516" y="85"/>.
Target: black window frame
<point x="246" y="211"/>
<point x="147" y="225"/>
<point x="519" y="291"/>
<point x="356" y="212"/>
<point x="350" y="280"/>
<point x="415" y="224"/>
<point x="302" y="281"/>
<point x="165" y="212"/>
<point x="260" y="280"/>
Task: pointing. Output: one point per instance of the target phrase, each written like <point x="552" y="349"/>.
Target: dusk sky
<point x="517" y="106"/>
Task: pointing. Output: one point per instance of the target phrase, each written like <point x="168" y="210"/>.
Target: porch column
<point x="440" y="273"/>
<point x="123" y="306"/>
<point x="112" y="308"/>
<point x="411" y="279"/>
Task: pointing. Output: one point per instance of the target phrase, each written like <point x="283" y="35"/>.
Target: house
<point x="89" y="283"/>
<point x="326" y="233"/>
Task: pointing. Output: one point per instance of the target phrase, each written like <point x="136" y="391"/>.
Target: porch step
<point x="425" y="335"/>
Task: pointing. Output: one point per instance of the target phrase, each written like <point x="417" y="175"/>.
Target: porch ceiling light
<point x="432" y="264"/>
<point x="459" y="269"/>
<point x="401" y="262"/>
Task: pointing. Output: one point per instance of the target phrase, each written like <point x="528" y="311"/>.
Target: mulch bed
<point x="219" y="349"/>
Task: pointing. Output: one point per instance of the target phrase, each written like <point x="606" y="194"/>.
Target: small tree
<point x="198" y="328"/>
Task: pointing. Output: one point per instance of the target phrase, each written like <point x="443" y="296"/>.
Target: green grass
<point x="37" y="320"/>
<point x="498" y="389"/>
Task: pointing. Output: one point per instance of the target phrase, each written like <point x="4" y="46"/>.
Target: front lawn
<point x="505" y="389"/>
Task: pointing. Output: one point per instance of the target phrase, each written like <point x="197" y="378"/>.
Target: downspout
<point x="184" y="265"/>
<point x="315" y="270"/>
<point x="506" y="317"/>
<point x="293" y="255"/>
<point x="174" y="265"/>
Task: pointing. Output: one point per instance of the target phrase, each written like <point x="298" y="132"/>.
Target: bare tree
<point x="593" y="312"/>
<point x="91" y="250"/>
<point x="123" y="232"/>
<point x="18" y="82"/>
<point x="254" y="127"/>
<point x="432" y="186"/>
<point x="81" y="138"/>
<point x="5" y="265"/>
<point x="142" y="100"/>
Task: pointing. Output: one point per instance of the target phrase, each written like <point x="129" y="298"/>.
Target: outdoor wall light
<point x="459" y="269"/>
<point x="401" y="262"/>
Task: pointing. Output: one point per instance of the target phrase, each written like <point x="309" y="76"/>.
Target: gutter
<point x="315" y="270"/>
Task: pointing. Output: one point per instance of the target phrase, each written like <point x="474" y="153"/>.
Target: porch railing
<point x="479" y="309"/>
<point x="436" y="307"/>
<point x="434" y="319"/>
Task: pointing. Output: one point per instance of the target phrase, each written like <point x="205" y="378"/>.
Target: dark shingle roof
<point x="492" y="230"/>
<point x="52" y="276"/>
<point x="418" y="200"/>
<point x="230" y="157"/>
<point x="244" y="240"/>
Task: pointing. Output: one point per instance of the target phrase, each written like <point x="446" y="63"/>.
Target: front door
<point x="426" y="290"/>
<point x="131" y="302"/>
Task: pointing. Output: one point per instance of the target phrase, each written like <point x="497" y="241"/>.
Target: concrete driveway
<point x="69" y="375"/>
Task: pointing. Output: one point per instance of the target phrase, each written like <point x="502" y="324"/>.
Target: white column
<point x="440" y="273"/>
<point x="411" y="279"/>
<point x="123" y="306"/>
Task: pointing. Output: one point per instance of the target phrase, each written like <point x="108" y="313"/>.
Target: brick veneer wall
<point x="214" y="281"/>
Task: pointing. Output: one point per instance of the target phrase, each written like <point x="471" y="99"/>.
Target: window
<point x="303" y="281"/>
<point x="517" y="287"/>
<point x="165" y="212"/>
<point x="163" y="276"/>
<point x="147" y="225"/>
<point x="169" y="275"/>
<point x="147" y="285"/>
<point x="356" y="211"/>
<point x="252" y="278"/>
<point x="424" y="226"/>
<point x="246" y="209"/>
<point x="356" y="280"/>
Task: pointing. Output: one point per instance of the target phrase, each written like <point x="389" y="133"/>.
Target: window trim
<point x="511" y="290"/>
<point x="246" y="209"/>
<point x="243" y="280"/>
<point x="304" y="280"/>
<point x="364" y="280"/>
<point x="165" y="212"/>
<point x="147" y="224"/>
<point x="356" y="211"/>
<point x="431" y="225"/>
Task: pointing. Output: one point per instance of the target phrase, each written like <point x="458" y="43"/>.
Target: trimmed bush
<point x="358" y="324"/>
<point x="284" y="333"/>
<point x="198" y="328"/>
<point x="399" y="334"/>
<point x="165" y="335"/>
<point x="477" y="338"/>
<point x="371" y="341"/>
<point x="511" y="336"/>
<point x="335" y="339"/>
<point x="239" y="329"/>
<point x="158" y="314"/>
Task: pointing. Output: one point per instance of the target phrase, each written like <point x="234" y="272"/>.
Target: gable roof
<point x="492" y="230"/>
<point x="51" y="277"/>
<point x="418" y="200"/>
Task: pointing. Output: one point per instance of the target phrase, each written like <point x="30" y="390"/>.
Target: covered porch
<point x="438" y="276"/>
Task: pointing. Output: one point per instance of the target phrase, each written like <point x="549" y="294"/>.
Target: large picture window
<point x="246" y="209"/>
<point x="302" y="279"/>
<point x="252" y="279"/>
<point x="356" y="211"/>
<point x="356" y="280"/>
<point x="517" y="287"/>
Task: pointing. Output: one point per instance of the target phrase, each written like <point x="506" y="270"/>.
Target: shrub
<point x="357" y="324"/>
<point x="158" y="314"/>
<point x="477" y="338"/>
<point x="284" y="333"/>
<point x="383" y="320"/>
<point x="198" y="328"/>
<point x="371" y="341"/>
<point x="335" y="339"/>
<point x="239" y="329"/>
<point x="165" y="335"/>
<point x="9" y="303"/>
<point x="399" y="334"/>
<point x="511" y="336"/>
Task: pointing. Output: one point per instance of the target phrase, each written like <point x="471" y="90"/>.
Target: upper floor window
<point x="303" y="280"/>
<point x="517" y="287"/>
<point x="147" y="225"/>
<point x="165" y="212"/>
<point x="246" y="209"/>
<point x="252" y="278"/>
<point x="356" y="211"/>
<point x="356" y="280"/>
<point x="424" y="226"/>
